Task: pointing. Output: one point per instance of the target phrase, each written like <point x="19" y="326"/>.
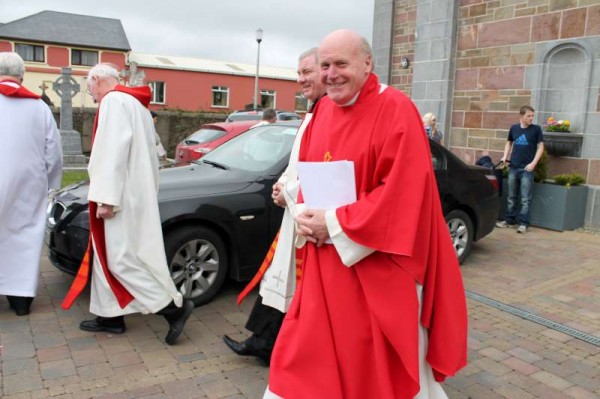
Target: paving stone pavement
<point x="551" y="274"/>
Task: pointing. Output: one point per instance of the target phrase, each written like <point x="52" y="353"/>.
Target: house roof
<point x="68" y="29"/>
<point x="209" y="66"/>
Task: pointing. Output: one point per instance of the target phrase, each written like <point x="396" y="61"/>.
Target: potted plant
<point x="560" y="203"/>
<point x="559" y="140"/>
<point x="556" y="204"/>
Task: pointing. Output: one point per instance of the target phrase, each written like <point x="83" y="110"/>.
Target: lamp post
<point x="259" y="36"/>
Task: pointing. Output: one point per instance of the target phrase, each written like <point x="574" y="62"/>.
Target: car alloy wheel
<point x="197" y="262"/>
<point x="461" y="233"/>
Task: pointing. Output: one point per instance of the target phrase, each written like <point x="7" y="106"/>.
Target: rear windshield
<point x="204" y="136"/>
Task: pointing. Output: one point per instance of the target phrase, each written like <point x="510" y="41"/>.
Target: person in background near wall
<point x="430" y="123"/>
<point x="380" y="312"/>
<point x="160" y="150"/>
<point x="31" y="166"/>
<point x="130" y="272"/>
<point x="525" y="145"/>
<point x="269" y="116"/>
<point x="274" y="297"/>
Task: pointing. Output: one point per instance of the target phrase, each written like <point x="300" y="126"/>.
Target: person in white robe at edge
<point x="31" y="165"/>
<point x="123" y="172"/>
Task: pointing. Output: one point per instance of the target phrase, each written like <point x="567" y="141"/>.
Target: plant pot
<point x="563" y="144"/>
<point x="554" y="207"/>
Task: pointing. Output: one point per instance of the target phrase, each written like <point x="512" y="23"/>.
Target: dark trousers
<point x="19" y="302"/>
<point x="265" y="323"/>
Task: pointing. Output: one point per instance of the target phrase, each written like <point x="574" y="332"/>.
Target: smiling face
<point x="308" y="78"/>
<point x="345" y="65"/>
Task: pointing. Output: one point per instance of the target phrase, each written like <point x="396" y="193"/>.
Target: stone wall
<point x="172" y="126"/>
<point x="403" y="44"/>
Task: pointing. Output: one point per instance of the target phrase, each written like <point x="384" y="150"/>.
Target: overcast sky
<point x="220" y="30"/>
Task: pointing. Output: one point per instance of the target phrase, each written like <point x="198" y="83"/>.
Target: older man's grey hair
<point x="312" y="51"/>
<point x="103" y="71"/>
<point x="11" y="64"/>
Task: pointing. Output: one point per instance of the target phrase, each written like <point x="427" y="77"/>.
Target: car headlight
<point x="81" y="220"/>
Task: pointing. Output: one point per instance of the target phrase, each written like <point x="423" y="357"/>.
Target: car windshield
<point x="204" y="136"/>
<point x="257" y="150"/>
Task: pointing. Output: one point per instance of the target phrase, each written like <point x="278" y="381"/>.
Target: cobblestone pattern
<point x="556" y="275"/>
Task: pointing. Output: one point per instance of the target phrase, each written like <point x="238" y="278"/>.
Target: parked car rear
<point x="207" y="138"/>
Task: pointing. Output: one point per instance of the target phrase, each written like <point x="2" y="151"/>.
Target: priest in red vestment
<point x="381" y="311"/>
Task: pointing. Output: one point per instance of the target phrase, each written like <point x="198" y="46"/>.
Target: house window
<point x="301" y="103"/>
<point x="158" y="92"/>
<point x="84" y="57"/>
<point x="29" y="52"/>
<point x="267" y="98"/>
<point x="220" y="96"/>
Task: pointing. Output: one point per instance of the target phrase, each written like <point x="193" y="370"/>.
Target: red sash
<point x="123" y="296"/>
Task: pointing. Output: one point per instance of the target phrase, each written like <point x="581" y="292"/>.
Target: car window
<point x="257" y="150"/>
<point x="288" y="117"/>
<point x="244" y="117"/>
<point x="204" y="136"/>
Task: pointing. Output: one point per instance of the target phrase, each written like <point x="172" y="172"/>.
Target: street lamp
<point x="259" y="36"/>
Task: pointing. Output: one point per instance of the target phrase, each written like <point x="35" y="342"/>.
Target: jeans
<point x="520" y="182"/>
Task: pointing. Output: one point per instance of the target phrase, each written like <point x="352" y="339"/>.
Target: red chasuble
<point x="143" y="95"/>
<point x="352" y="332"/>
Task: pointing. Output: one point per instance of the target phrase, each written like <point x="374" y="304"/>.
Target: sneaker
<point x="503" y="223"/>
<point x="522" y="229"/>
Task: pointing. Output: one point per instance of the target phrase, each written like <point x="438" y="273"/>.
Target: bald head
<point x="346" y="62"/>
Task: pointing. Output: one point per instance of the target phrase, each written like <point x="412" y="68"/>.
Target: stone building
<point x="474" y="63"/>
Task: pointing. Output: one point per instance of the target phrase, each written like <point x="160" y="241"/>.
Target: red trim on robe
<point x="19" y="92"/>
<point x="124" y="297"/>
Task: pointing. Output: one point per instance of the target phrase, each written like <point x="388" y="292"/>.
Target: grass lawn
<point x="73" y="176"/>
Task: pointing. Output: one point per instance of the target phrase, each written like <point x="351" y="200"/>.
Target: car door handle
<point x="247" y="217"/>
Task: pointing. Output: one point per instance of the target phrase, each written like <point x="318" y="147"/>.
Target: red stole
<point x="19" y="92"/>
<point x="143" y="95"/>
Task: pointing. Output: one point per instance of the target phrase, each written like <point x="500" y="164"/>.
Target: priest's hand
<point x="277" y="195"/>
<point x="312" y="225"/>
<point x="105" y="211"/>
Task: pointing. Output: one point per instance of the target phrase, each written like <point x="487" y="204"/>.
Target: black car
<point x="219" y="220"/>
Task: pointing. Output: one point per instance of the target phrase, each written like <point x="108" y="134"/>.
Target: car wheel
<point x="197" y="261"/>
<point x="461" y="233"/>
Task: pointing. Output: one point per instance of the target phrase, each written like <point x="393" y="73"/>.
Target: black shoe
<point x="113" y="325"/>
<point x="177" y="321"/>
<point x="248" y="348"/>
<point x="20" y="304"/>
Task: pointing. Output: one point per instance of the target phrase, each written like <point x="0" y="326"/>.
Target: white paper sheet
<point x="327" y="185"/>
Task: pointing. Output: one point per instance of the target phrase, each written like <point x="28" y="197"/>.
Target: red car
<point x="209" y="137"/>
